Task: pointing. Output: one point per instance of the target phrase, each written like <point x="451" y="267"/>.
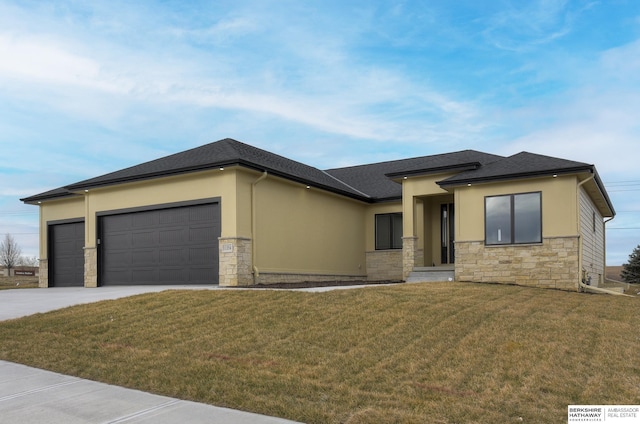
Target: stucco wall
<point x="57" y="210"/>
<point x="307" y="231"/>
<point x="559" y="208"/>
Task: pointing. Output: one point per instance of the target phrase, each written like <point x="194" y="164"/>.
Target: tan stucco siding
<point x="559" y="209"/>
<point x="58" y="210"/>
<point x="158" y="191"/>
<point x="307" y="231"/>
<point x="592" y="234"/>
<point x="412" y="189"/>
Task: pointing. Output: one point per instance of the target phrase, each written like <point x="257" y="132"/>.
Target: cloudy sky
<point x="91" y="87"/>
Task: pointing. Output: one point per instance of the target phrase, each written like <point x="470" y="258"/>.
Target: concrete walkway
<point x="33" y="396"/>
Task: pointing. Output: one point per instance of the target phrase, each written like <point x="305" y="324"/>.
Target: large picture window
<point x="513" y="219"/>
<point x="389" y="231"/>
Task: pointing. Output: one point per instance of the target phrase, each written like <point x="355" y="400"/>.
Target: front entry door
<point x="447" y="232"/>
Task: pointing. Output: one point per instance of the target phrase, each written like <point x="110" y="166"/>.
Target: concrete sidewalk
<point x="34" y="396"/>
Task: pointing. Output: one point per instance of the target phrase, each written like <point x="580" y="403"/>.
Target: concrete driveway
<point x="22" y="302"/>
<point x="34" y="396"/>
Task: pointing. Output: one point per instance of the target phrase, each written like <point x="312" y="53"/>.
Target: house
<point x="231" y="214"/>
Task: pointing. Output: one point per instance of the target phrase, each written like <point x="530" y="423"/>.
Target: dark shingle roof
<point x="374" y="180"/>
<point x="370" y="183"/>
<point x="521" y="165"/>
<point x="221" y="153"/>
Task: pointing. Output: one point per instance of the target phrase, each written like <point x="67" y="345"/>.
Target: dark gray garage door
<point x="66" y="254"/>
<point x="176" y="245"/>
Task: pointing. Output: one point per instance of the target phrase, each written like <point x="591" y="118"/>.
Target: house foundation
<point x="384" y="265"/>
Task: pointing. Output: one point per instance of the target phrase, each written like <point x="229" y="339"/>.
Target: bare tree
<point x="31" y="261"/>
<point x="9" y="252"/>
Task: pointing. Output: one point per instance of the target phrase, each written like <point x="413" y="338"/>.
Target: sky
<point x="88" y="88"/>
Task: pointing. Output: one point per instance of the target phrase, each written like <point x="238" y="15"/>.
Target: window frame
<point x="512" y="220"/>
<point x="391" y="231"/>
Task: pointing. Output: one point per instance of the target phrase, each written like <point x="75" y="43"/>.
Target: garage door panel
<point x="173" y="257"/>
<point x="145" y="275"/>
<point x="141" y="258"/>
<point x="167" y="246"/>
<point x="201" y="275"/>
<point x="147" y="219"/>
<point x="173" y="236"/>
<point x="118" y="241"/>
<point x="200" y="233"/>
<point x="66" y="254"/>
<point x="147" y="238"/>
<point x="173" y="216"/>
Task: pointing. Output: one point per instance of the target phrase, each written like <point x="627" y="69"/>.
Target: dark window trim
<point x="512" y="219"/>
<point x="375" y="224"/>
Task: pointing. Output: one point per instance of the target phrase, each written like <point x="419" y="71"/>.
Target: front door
<point x="447" y="232"/>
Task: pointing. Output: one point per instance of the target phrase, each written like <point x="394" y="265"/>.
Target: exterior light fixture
<point x="308" y="187"/>
<point x="555" y="175"/>
<point x="222" y="168"/>
<point x="469" y="185"/>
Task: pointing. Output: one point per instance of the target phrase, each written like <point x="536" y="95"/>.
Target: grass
<point x="19" y="282"/>
<point x="439" y="353"/>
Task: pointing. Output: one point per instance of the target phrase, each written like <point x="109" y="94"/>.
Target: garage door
<point x="177" y="245"/>
<point x="66" y="255"/>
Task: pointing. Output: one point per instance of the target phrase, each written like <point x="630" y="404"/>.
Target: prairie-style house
<point x="231" y="214"/>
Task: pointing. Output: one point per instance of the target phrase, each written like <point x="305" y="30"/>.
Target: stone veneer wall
<point x="384" y="265"/>
<point x="552" y="264"/>
<point x="275" y="278"/>
<point x="43" y="278"/>
<point x="411" y="255"/>
<point x="90" y="267"/>
<point x="235" y="261"/>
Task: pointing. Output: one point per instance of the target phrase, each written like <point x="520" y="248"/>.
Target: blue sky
<point x="91" y="87"/>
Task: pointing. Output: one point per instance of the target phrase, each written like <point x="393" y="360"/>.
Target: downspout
<point x="582" y="271"/>
<point x="254" y="254"/>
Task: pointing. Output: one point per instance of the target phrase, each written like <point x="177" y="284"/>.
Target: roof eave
<point x="519" y="176"/>
<point x="246" y="164"/>
<point x="437" y="170"/>
<point x="37" y="199"/>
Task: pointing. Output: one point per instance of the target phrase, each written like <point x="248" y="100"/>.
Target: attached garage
<point x="169" y="244"/>
<point x="66" y="247"/>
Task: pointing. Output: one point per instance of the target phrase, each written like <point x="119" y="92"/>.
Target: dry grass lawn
<point x="20" y="282"/>
<point x="437" y="353"/>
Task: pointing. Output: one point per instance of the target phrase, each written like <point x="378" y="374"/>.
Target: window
<point x="513" y="219"/>
<point x="389" y="231"/>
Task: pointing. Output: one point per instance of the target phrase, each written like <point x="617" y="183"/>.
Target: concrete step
<point x="430" y="274"/>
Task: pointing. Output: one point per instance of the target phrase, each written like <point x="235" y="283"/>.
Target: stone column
<point x="43" y="273"/>
<point x="90" y="267"/>
<point x="235" y="261"/>
<point x="409" y="255"/>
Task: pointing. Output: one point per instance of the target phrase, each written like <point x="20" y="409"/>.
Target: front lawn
<point x="437" y="353"/>
<point x="19" y="282"/>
